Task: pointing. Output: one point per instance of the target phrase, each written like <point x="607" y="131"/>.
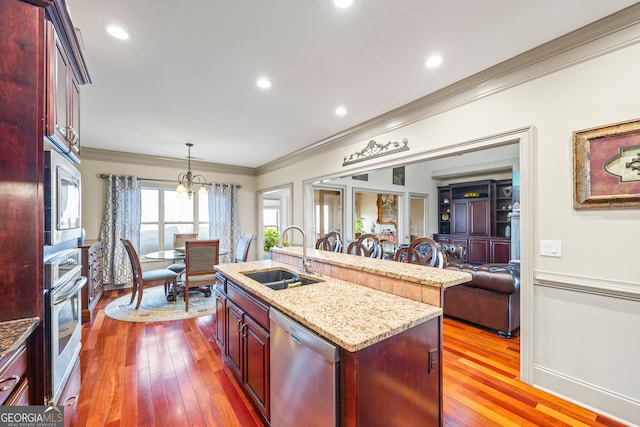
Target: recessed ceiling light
<point x="433" y="61"/>
<point x="341" y="111"/>
<point x="342" y="3"/>
<point x="264" y="83"/>
<point x="117" y="32"/>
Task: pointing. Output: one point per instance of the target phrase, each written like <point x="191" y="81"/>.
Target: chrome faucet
<point x="305" y="262"/>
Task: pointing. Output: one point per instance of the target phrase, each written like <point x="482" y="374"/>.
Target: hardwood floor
<point x="171" y="374"/>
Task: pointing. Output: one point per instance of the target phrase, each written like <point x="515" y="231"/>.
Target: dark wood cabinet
<point x="70" y="393"/>
<point x="475" y="215"/>
<point x="14" y="383"/>
<point x="500" y="251"/>
<point x="408" y="366"/>
<point x="256" y="362"/>
<point x="478" y="251"/>
<point x="235" y="317"/>
<point x="221" y="321"/>
<point x="66" y="72"/>
<point x="243" y="336"/>
<point x="92" y="270"/>
<point x="471" y="217"/>
<point x="503" y="206"/>
<point x="23" y="85"/>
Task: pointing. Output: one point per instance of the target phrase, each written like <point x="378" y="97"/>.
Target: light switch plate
<point x="551" y="248"/>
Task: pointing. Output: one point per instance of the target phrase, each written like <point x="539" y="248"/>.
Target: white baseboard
<point x="588" y="396"/>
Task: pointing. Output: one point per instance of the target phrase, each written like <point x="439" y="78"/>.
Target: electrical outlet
<point x="551" y="248"/>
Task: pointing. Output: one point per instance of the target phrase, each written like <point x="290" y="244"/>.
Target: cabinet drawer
<point x="20" y="396"/>
<point x="13" y="373"/>
<point x="257" y="310"/>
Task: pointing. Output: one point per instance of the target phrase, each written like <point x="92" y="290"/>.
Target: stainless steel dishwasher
<point x="304" y="375"/>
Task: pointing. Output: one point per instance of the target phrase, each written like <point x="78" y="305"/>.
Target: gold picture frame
<point x="606" y="166"/>
<point x="387" y="209"/>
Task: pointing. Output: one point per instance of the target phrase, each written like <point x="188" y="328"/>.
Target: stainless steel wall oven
<point x="63" y="318"/>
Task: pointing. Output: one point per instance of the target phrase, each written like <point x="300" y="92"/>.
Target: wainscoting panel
<point x="586" y="342"/>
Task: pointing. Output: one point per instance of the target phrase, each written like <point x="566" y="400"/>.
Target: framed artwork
<point x="606" y="166"/>
<point x="398" y="175"/>
<point x="387" y="209"/>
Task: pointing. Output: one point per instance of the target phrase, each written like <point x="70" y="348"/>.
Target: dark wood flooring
<point x="171" y="374"/>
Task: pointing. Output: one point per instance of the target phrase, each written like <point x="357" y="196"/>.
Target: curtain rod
<point x="105" y="176"/>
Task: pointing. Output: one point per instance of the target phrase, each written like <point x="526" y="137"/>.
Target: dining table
<point x="176" y="254"/>
<point x="179" y="255"/>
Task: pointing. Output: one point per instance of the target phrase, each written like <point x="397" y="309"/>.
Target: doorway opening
<point x="274" y="213"/>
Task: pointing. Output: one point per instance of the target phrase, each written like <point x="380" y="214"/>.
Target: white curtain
<point x="122" y="219"/>
<point x="224" y="219"/>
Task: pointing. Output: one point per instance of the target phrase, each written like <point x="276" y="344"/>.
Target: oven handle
<point x="65" y="295"/>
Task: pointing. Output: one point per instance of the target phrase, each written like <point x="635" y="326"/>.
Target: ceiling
<point x="188" y="72"/>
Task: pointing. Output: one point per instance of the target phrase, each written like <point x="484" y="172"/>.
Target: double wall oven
<point x="63" y="318"/>
<point x="63" y="281"/>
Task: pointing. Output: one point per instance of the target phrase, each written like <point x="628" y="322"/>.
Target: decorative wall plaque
<point x="374" y="150"/>
<point x="606" y="166"/>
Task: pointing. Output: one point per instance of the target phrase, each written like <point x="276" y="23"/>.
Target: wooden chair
<point x="401" y="253"/>
<point x="330" y="242"/>
<point x="179" y="240"/>
<point x="143" y="279"/>
<point x="242" y="250"/>
<point x="201" y="257"/>
<point x="426" y="251"/>
<point x="367" y="245"/>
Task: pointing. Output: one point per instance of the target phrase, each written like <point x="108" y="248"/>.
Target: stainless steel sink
<point x="279" y="279"/>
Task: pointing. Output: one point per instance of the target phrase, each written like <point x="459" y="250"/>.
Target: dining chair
<point x="367" y="245"/>
<point x="179" y="240"/>
<point x="330" y="242"/>
<point x="143" y="279"/>
<point x="242" y="250"/>
<point x="426" y="251"/>
<point x="201" y="258"/>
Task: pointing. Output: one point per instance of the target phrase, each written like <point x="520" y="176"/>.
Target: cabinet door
<point x="460" y="217"/>
<point x="73" y="127"/>
<point x="479" y="218"/>
<point x="57" y="90"/>
<point x="478" y="251"/>
<point x="221" y="320"/>
<point x="233" y="349"/>
<point x="257" y="363"/>
<point x="500" y="251"/>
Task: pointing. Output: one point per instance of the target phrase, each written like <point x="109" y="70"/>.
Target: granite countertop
<point x="350" y="315"/>
<point x="429" y="276"/>
<point x="14" y="333"/>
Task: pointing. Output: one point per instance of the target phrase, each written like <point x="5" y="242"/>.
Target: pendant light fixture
<point x="190" y="183"/>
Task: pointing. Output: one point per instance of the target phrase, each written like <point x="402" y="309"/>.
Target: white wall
<point x="596" y="290"/>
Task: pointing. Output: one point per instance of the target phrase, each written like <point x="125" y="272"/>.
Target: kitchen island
<point x="390" y="346"/>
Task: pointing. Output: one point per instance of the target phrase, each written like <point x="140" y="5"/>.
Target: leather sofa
<point x="491" y="299"/>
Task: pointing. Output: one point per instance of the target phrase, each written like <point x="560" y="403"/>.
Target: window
<point x="271" y="214"/>
<point x="165" y="213"/>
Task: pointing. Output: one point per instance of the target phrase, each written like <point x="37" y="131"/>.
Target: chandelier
<point x="190" y="183"/>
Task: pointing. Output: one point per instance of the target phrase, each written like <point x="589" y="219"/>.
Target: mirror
<point x="388" y="209"/>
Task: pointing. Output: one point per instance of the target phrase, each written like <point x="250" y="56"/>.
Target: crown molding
<point x="596" y="39"/>
<point x="147" y="160"/>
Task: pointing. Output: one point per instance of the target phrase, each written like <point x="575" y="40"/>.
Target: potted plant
<point x="359" y="227"/>
<point x="271" y="239"/>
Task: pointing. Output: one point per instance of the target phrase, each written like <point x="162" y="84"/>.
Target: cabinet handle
<point x="239" y="326"/>
<point x="14" y="378"/>
<point x="64" y="130"/>
<point x="74" y="136"/>
<point x="244" y="330"/>
<point x="71" y="400"/>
